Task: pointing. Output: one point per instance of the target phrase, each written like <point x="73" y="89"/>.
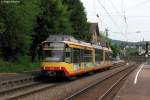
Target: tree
<point x="9" y="33"/>
<point x="78" y="19"/>
<point x="16" y="22"/>
<point x="54" y="19"/>
<point x="116" y="49"/>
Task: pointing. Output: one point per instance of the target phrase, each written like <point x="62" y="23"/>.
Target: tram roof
<point x="78" y="43"/>
<point x="71" y="40"/>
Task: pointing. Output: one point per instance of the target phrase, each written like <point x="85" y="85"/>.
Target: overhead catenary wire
<point x="139" y="4"/>
<point x="123" y="12"/>
<point x="117" y="11"/>
<point x="104" y="14"/>
<point x="132" y="32"/>
<point x="120" y="34"/>
<point x="114" y="22"/>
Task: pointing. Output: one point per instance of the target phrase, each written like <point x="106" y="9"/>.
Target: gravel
<point x="62" y="91"/>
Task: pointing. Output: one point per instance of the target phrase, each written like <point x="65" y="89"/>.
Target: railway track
<point x="115" y="65"/>
<point x="32" y="90"/>
<point x="9" y="81"/>
<point x="33" y="87"/>
<point x="103" y="89"/>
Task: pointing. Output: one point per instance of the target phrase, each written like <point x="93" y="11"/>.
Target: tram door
<point x="67" y="56"/>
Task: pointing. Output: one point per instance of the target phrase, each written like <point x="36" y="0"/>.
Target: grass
<point x="18" y="66"/>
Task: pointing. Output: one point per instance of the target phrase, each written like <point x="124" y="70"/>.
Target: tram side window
<point x="101" y="52"/>
<point x="68" y="55"/>
<point x="81" y="55"/>
<point x="98" y="55"/>
<point x="76" y="55"/>
<point x="87" y="56"/>
<point x="108" y="56"/>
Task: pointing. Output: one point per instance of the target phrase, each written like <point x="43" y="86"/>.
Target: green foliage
<point x="26" y="24"/>
<point x="54" y="19"/>
<point x="16" y="24"/>
<point x="10" y="37"/>
<point x="78" y="19"/>
<point x="27" y="12"/>
<point x="116" y="49"/>
<point x="19" y="67"/>
<point x="2" y="26"/>
<point x="131" y="52"/>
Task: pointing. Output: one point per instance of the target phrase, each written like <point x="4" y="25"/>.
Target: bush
<point x="24" y="64"/>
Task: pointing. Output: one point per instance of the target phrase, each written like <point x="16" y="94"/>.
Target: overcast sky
<point x="134" y="26"/>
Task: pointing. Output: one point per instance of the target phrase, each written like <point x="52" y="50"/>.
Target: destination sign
<point x="51" y="48"/>
<point x="53" y="44"/>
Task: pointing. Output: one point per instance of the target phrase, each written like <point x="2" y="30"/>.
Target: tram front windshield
<point x="53" y="55"/>
<point x="53" y="51"/>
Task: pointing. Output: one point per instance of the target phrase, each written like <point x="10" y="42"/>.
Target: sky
<point x="127" y="20"/>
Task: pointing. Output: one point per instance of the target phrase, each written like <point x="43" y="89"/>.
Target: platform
<point x="137" y="86"/>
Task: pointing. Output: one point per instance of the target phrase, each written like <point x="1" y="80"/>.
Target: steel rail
<point x="114" y="85"/>
<point x="45" y="87"/>
<point x="42" y="88"/>
<point x="94" y="84"/>
<point x="14" y="84"/>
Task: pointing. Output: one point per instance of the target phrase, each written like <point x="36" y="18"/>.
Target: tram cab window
<point x="98" y="55"/>
<point x="108" y="56"/>
<point x="53" y="51"/>
<point x="53" y="55"/>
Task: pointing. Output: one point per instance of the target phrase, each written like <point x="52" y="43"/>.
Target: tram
<point x="66" y="56"/>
